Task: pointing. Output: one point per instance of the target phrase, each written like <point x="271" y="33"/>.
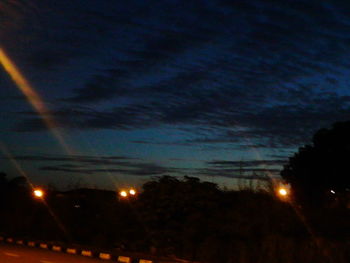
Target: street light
<point x="123" y="194"/>
<point x="282" y="191"/>
<point x="127" y="193"/>
<point x="38" y="193"/>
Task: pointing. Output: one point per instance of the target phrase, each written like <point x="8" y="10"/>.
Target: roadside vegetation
<point x="184" y="218"/>
<point x="190" y="219"/>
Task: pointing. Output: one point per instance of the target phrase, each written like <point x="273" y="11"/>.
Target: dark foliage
<point x="319" y="173"/>
<point x="188" y="217"/>
<point x="183" y="218"/>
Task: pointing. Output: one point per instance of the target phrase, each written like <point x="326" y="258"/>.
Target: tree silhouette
<point x="178" y="211"/>
<point x="3" y="188"/>
<point x="319" y="173"/>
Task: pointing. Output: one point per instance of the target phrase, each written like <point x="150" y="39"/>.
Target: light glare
<point x="31" y="95"/>
<point x="283" y="192"/>
<point x="123" y="194"/>
<point x="38" y="193"/>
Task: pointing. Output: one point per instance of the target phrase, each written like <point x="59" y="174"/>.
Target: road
<point x="22" y="254"/>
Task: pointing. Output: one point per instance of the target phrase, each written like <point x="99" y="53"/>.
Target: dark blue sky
<point x="147" y="88"/>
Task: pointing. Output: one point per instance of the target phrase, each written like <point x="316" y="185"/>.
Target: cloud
<point x="245" y="174"/>
<point x="73" y="160"/>
<point x="122" y="165"/>
<point x="83" y="164"/>
<point x="130" y="168"/>
<point x="259" y="74"/>
<point x="271" y="126"/>
<point x="66" y="170"/>
<point x="287" y="44"/>
<point x="245" y="169"/>
<point x="244" y="164"/>
<point x="149" y="170"/>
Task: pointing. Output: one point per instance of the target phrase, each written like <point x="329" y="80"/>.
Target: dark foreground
<point x="19" y="254"/>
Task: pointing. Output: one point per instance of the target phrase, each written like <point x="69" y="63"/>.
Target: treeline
<point x="184" y="218"/>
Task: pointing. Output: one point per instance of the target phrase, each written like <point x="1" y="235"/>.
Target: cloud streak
<point x="234" y="75"/>
<point x="121" y="165"/>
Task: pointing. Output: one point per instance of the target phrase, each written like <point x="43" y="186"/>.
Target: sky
<point x="127" y="90"/>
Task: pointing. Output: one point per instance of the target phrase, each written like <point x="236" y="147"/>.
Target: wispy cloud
<point x="268" y="72"/>
<point x="83" y="164"/>
<point x="245" y="164"/>
<point x="121" y="165"/>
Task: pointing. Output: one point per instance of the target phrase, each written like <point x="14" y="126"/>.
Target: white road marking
<point x="11" y="254"/>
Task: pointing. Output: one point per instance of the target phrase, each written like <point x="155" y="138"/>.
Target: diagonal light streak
<point x="32" y="97"/>
<point x="21" y="171"/>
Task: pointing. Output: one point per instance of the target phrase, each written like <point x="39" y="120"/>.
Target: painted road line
<point x="31" y="243"/>
<point x="105" y="256"/>
<point x="71" y="251"/>
<point x="57" y="248"/>
<point x="43" y="245"/>
<point x="145" y="261"/>
<point x="123" y="259"/>
<point x="11" y="254"/>
<point x="86" y="253"/>
<point x="19" y="242"/>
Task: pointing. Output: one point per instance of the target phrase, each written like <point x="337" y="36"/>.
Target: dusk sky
<point x="135" y="89"/>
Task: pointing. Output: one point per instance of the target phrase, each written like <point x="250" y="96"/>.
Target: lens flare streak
<point x="19" y="169"/>
<point x="32" y="96"/>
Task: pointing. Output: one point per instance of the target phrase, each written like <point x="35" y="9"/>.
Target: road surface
<point x="23" y="254"/>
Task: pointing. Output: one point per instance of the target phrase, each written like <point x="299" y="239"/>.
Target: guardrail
<point x="116" y="257"/>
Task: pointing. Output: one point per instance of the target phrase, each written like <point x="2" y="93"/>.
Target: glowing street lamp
<point x="123" y="194"/>
<point x="282" y="191"/>
<point x="38" y="193"/>
<point x="127" y="193"/>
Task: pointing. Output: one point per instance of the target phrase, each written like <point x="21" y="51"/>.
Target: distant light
<point x="123" y="193"/>
<point x="77" y="206"/>
<point x="132" y="192"/>
<point x="38" y="193"/>
<point x="332" y="191"/>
